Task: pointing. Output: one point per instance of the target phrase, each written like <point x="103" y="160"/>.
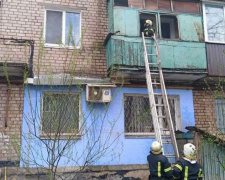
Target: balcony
<point x="180" y="38"/>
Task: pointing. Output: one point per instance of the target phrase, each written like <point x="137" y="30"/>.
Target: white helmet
<point x="148" y="21"/>
<point x="156" y="147"/>
<point x="190" y="153"/>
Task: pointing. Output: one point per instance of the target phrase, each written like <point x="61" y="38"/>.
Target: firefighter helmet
<point x="149" y="22"/>
<point x="190" y="152"/>
<point x="156" y="147"/>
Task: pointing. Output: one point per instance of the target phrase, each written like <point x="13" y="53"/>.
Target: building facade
<point x="54" y="49"/>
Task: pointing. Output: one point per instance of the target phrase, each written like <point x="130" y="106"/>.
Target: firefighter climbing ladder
<point x="164" y="130"/>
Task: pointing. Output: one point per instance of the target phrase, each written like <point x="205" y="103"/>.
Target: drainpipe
<point x="30" y="62"/>
<point x="7" y="107"/>
<point x="30" y="66"/>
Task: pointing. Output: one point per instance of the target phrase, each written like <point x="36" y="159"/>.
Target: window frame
<point x="158" y="24"/>
<point x="171" y="22"/>
<point x="171" y="7"/>
<point x="218" y="123"/>
<point x="73" y="135"/>
<point x="64" y="11"/>
<point x="152" y="134"/>
<point x="205" y="21"/>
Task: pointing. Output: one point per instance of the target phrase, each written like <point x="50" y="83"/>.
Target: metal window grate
<point x="138" y="117"/>
<point x="137" y="114"/>
<point x="60" y="112"/>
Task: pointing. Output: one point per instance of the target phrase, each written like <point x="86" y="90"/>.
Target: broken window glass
<point x="214" y="15"/>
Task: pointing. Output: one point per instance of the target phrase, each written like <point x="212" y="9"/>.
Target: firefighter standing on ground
<point x="149" y="30"/>
<point x="187" y="168"/>
<point x="159" y="166"/>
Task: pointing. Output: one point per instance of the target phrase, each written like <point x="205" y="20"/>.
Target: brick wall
<point x="10" y="134"/>
<point x="204" y="108"/>
<point x="25" y="20"/>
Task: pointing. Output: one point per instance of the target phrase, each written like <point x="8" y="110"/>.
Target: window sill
<point x="56" y="46"/>
<point x="61" y="137"/>
<point x="214" y="42"/>
<point x="139" y="135"/>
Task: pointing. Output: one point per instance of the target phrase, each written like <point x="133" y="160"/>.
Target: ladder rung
<point x="158" y="94"/>
<point x="152" y="54"/>
<point x="161" y="116"/>
<point x="170" y="155"/>
<point x="155" y="83"/>
<point x="154" y="73"/>
<point x="160" y="105"/>
<point x="167" y="142"/>
<point x="151" y="45"/>
<point x="153" y="63"/>
<point x="164" y="129"/>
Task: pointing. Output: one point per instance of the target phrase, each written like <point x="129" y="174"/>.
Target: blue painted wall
<point x="122" y="151"/>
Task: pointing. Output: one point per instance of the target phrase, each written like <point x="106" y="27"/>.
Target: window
<point x="168" y="24"/>
<point x="169" y="27"/>
<point x="214" y="23"/>
<point x="121" y="3"/>
<point x="62" y="28"/>
<point x="220" y="114"/>
<point x="60" y="113"/>
<point x="137" y="115"/>
<point x="191" y="6"/>
<point x="145" y="16"/>
<point x="129" y="3"/>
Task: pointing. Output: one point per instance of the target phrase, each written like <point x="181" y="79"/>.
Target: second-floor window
<point x="166" y="26"/>
<point x="214" y="24"/>
<point x="62" y="28"/>
<point x="191" y="6"/>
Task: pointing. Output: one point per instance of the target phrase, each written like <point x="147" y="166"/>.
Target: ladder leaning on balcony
<point x="159" y="105"/>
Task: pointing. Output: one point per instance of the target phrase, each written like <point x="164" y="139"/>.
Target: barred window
<point x="220" y="114"/>
<point x="60" y="113"/>
<point x="137" y="114"/>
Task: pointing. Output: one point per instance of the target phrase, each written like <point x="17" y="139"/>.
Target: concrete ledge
<point x="115" y="172"/>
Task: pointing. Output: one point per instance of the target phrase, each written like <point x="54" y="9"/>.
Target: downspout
<point x="7" y="107"/>
<point x="30" y="62"/>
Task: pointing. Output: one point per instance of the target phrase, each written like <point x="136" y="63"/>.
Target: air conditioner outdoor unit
<point x="98" y="93"/>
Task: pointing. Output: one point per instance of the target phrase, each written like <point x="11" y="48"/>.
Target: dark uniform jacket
<point x="149" y="30"/>
<point x="159" y="167"/>
<point x="184" y="170"/>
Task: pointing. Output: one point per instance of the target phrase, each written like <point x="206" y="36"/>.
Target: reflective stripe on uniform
<point x="200" y="173"/>
<point x="176" y="177"/>
<point x="167" y="169"/>
<point x="179" y="167"/>
<point x="186" y="173"/>
<point x="159" y="169"/>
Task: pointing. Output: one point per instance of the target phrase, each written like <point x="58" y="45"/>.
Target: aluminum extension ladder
<point x="159" y="105"/>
